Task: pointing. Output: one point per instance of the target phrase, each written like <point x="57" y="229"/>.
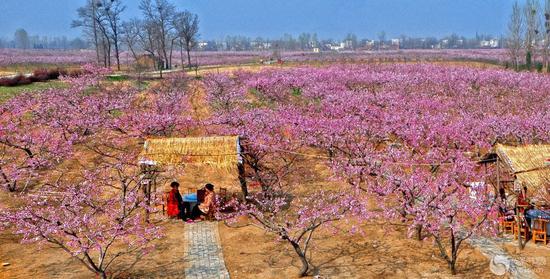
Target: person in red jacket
<point x="522" y="197"/>
<point x="175" y="202"/>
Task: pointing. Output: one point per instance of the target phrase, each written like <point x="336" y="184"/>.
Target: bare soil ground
<point x="379" y="253"/>
<point x="27" y="261"/>
<point x="535" y="256"/>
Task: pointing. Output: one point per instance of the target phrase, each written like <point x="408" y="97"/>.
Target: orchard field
<point x="361" y="170"/>
<point x="14" y="60"/>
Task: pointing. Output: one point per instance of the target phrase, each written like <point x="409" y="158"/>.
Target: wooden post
<point x="242" y="179"/>
<point x="240" y="167"/>
<point x="498" y="175"/>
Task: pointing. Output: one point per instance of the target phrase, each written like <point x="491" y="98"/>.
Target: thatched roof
<point x="528" y="163"/>
<point x="219" y="152"/>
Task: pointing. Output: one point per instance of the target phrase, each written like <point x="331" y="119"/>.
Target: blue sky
<point x="272" y="18"/>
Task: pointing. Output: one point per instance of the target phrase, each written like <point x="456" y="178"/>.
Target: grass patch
<point x="117" y="78"/>
<point x="9" y="92"/>
<point x="296" y="91"/>
<point x="29" y="67"/>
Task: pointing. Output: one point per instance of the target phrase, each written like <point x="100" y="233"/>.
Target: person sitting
<point x="523" y="201"/>
<point x="504" y="210"/>
<point x="175" y="202"/>
<point x="206" y="206"/>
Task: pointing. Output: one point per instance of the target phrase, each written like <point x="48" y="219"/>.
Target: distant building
<point x="336" y="47"/>
<point x="202" y="45"/>
<point x="260" y="45"/>
<point x="492" y="43"/>
<point x="368" y="45"/>
<point x="347" y="44"/>
<point x="395" y="43"/>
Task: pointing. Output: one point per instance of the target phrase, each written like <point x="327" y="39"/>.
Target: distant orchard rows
<point x="77" y="57"/>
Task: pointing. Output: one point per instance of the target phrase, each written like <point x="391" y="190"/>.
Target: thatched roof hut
<point x="528" y="163"/>
<point x="173" y="155"/>
<point x="222" y="152"/>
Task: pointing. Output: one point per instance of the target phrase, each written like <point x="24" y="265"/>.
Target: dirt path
<point x="490" y="248"/>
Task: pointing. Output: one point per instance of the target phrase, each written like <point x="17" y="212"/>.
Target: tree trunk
<point x="165" y="56"/>
<point x="305" y="264"/>
<point x="117" y="56"/>
<point x="419" y="232"/>
<point x="452" y="266"/>
<point x="188" y="49"/>
<point x="242" y="179"/>
<point x="96" y="43"/>
<point x="12" y="185"/>
<point x="521" y="244"/>
<point x="454" y="255"/>
<point x="452" y="260"/>
<point x="96" y="46"/>
<point x="170" y="54"/>
<point x="181" y="55"/>
<point x="109" y="53"/>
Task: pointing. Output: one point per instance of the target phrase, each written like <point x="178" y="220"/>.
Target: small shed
<point x="524" y="165"/>
<point x="221" y="152"/>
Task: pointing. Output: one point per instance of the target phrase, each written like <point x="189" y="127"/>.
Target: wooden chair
<point x="165" y="196"/>
<point x="506" y="226"/>
<point x="223" y="192"/>
<point x="523" y="230"/>
<point x="539" y="230"/>
<point x="223" y="195"/>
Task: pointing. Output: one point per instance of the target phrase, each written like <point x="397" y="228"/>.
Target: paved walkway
<point x="203" y="252"/>
<point x="490" y="248"/>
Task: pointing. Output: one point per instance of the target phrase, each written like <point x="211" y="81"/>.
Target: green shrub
<point x="538" y="66"/>
<point x="296" y="91"/>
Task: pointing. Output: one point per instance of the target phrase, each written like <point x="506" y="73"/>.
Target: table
<point x="190" y="197"/>
<point x="189" y="201"/>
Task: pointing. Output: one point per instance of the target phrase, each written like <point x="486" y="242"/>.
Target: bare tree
<point x="532" y="22"/>
<point x="304" y="39"/>
<point x="94" y="24"/>
<point x="141" y="36"/>
<point x="21" y="38"/>
<point x="187" y="29"/>
<point x="546" y="35"/>
<point x="131" y="34"/>
<point x="351" y="41"/>
<point x="111" y="11"/>
<point x="514" y="40"/>
<point x="159" y="16"/>
<point x="382" y="39"/>
<point x="88" y="24"/>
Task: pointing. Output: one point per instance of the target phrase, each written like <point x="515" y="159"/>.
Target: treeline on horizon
<point x="304" y="41"/>
<point x="163" y="29"/>
<point x="163" y="32"/>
